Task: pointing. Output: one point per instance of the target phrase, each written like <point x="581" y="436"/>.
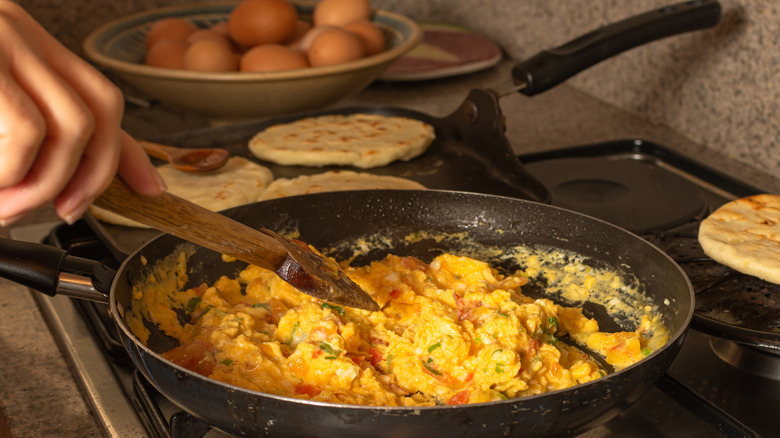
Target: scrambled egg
<point x="454" y="331"/>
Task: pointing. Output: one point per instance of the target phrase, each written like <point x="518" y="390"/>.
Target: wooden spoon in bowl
<point x="185" y="159"/>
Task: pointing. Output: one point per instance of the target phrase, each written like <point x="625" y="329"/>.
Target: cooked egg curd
<point x="453" y="331"/>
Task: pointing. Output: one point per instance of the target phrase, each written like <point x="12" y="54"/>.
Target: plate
<point x="446" y="50"/>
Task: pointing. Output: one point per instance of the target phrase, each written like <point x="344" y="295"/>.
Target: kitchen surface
<point x="696" y="96"/>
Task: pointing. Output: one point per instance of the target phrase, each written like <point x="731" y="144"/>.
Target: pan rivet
<point x="470" y="112"/>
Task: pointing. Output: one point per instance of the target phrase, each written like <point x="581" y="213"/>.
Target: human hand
<point x="60" y="126"/>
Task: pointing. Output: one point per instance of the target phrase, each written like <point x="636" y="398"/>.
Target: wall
<point x="719" y="87"/>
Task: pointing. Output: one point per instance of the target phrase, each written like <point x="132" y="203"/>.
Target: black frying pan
<point x="330" y="219"/>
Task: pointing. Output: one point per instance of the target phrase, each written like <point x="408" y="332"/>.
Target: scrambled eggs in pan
<point x="453" y="331"/>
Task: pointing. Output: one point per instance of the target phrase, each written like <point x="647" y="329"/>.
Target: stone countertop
<point x="38" y="394"/>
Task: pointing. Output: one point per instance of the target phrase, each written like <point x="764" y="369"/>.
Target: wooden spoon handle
<point x="303" y="269"/>
<point x="193" y="223"/>
<point x="156" y="150"/>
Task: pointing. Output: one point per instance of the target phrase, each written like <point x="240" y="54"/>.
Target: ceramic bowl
<point x="120" y="47"/>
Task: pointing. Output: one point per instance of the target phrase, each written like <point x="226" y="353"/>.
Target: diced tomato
<point x="413" y="264"/>
<point x="306" y="389"/>
<point x="377" y="341"/>
<point x="200" y="290"/>
<point x="395" y="293"/>
<point x="197" y="356"/>
<point x="317" y="353"/>
<point x="460" y="398"/>
<point x="465" y="307"/>
<point x="534" y="345"/>
<point x="376" y="356"/>
<point x="357" y="359"/>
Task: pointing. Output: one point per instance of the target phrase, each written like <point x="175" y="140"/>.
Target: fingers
<point x="22" y="130"/>
<point x="136" y="169"/>
<point x="60" y="126"/>
<point x="44" y="137"/>
<point x="98" y="168"/>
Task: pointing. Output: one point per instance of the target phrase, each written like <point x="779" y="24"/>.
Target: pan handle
<point x="551" y="67"/>
<point x="51" y="271"/>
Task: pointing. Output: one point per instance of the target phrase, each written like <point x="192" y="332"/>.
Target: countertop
<point x="38" y="394"/>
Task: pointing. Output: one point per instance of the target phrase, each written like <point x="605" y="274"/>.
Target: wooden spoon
<point x="188" y="160"/>
<point x="306" y="271"/>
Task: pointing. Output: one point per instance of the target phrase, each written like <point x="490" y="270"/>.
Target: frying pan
<point x="339" y="219"/>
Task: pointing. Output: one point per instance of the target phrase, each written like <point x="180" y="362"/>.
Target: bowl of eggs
<point x="253" y="58"/>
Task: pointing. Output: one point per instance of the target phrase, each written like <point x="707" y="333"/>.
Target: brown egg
<point x="210" y="34"/>
<point x="340" y="12"/>
<point x="172" y="28"/>
<point x="305" y="42"/>
<point x="221" y="27"/>
<point x="166" y="54"/>
<point x="372" y="36"/>
<point x="210" y="56"/>
<point x="335" y="46"/>
<point x="301" y="28"/>
<point x="272" y="57"/>
<point x="254" y="22"/>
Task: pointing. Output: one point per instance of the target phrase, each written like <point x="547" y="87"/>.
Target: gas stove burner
<point x="764" y="362"/>
<point x="630" y="193"/>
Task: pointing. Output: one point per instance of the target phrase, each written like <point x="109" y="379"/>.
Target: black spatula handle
<point x="551" y="67"/>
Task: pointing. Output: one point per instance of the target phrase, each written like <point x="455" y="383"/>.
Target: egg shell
<point x="272" y="57"/>
<point x="305" y="41"/>
<point x="340" y="12"/>
<point x="221" y="27"/>
<point x="255" y="22"/>
<point x="166" y="54"/>
<point x="210" y="56"/>
<point x="301" y="28"/>
<point x="335" y="46"/>
<point x="210" y="34"/>
<point x="370" y="34"/>
<point x="171" y="28"/>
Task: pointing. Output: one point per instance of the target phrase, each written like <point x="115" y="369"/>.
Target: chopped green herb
<point x="553" y="322"/>
<point x="502" y="396"/>
<point x="219" y="313"/>
<point x="429" y="366"/>
<point x="209" y="307"/>
<point x="331" y="352"/>
<point x="434" y="346"/>
<point x="238" y="320"/>
<point x="503" y="315"/>
<point x="334" y="308"/>
<point x="499" y="368"/>
<point x="227" y="362"/>
<point x="390" y="358"/>
<point x="192" y="304"/>
<point x="263" y="305"/>
<point x="497" y="351"/>
<point x="292" y="332"/>
<point x="646" y="351"/>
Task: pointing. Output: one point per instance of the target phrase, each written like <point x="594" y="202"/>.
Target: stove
<point x="725" y="381"/>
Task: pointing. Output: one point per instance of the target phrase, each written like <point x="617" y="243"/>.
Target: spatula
<point x="306" y="271"/>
